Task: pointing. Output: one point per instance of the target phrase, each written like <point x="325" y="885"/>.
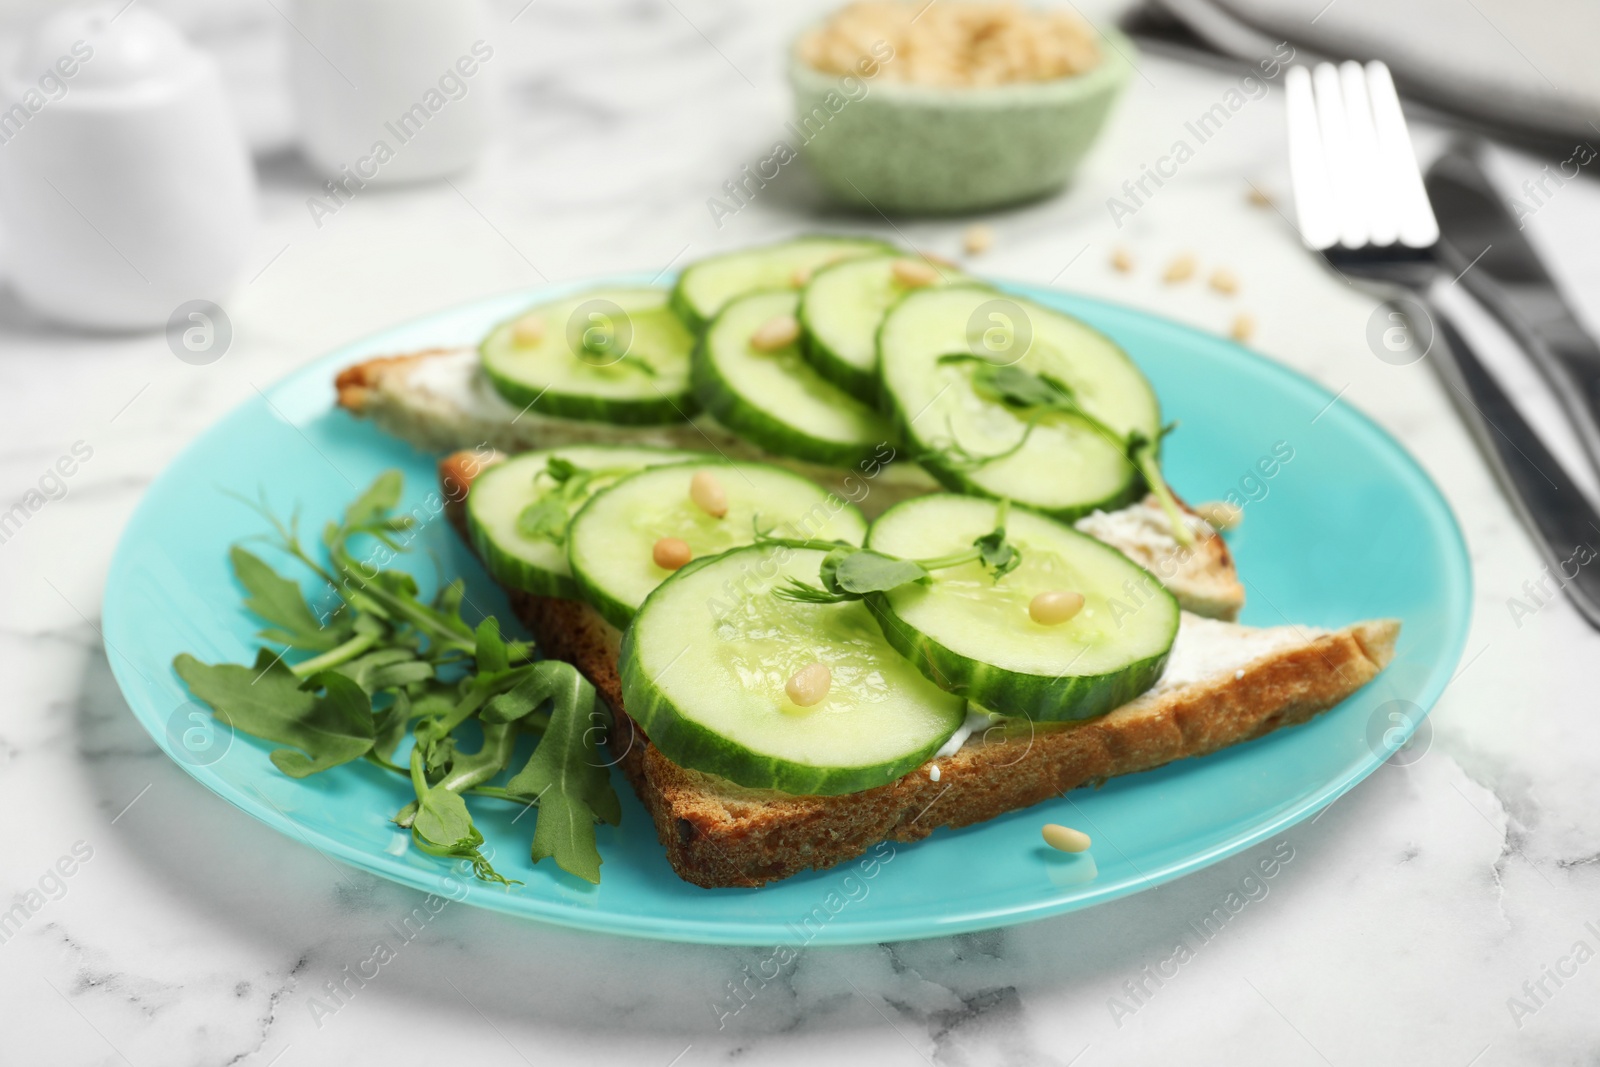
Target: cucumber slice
<point x="704" y="288"/>
<point x="705" y="664"/>
<point x="776" y="399"/>
<point x="610" y="542"/>
<point x="610" y="355"/>
<point x="1066" y="469"/>
<point x="974" y="635"/>
<point x="841" y="309"/>
<point x="500" y="494"/>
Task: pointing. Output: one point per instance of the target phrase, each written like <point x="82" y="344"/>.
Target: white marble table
<point x="1410" y="914"/>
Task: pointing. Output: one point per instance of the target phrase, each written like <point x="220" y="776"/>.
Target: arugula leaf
<point x="490" y="649"/>
<point x="280" y="602"/>
<point x="374" y="504"/>
<point x="268" y="701"/>
<point x="570" y="782"/>
<point x="1034" y="396"/>
<point x="998" y="554"/>
<point x="442" y="817"/>
<point x="389" y="726"/>
<point x="392" y="663"/>
<point x="547" y="680"/>
<point x="849" y="573"/>
<point x="871" y="572"/>
<point x="545" y="519"/>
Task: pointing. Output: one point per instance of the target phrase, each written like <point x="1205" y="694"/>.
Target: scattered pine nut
<point x="670" y="553"/>
<point x="527" y="331"/>
<point x="809" y="685"/>
<point x="800" y="278"/>
<point x="933" y="773"/>
<point x="1181" y="269"/>
<point x="1220" y="514"/>
<point x="1065" y="838"/>
<point x="1224" y="280"/>
<point x="780" y="331"/>
<point x="1244" y="325"/>
<point x="1055" y="607"/>
<point x="1121" y="260"/>
<point x="914" y="273"/>
<point x="1258" y="198"/>
<point x="708" y="495"/>
<point x="978" y="239"/>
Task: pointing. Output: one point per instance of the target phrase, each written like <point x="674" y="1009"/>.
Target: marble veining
<point x="1431" y="916"/>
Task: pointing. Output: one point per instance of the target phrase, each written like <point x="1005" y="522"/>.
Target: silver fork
<point x="1362" y="206"/>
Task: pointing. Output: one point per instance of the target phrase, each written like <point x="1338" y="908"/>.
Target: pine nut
<point x="708" y="494"/>
<point x="1244" y="326"/>
<point x="1065" y="838"/>
<point x="1181" y="269"/>
<point x="1224" y="280"/>
<point x="528" y="331"/>
<point x="800" y="278"/>
<point x="1055" y="607"/>
<point x="670" y="553"/>
<point x="809" y="685"/>
<point x="978" y="239"/>
<point x="780" y="331"/>
<point x="1121" y="260"/>
<point x="913" y="273"/>
<point x="1220" y="514"/>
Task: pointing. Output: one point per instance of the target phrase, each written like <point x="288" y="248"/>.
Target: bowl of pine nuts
<point x="956" y="106"/>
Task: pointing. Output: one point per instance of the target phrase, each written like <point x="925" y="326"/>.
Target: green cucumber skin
<point x="719" y="400"/>
<point x="697" y="320"/>
<point x="516" y="573"/>
<point x="1042" y="698"/>
<point x="859" y="384"/>
<point x="957" y="480"/>
<point x="865" y="386"/>
<point x="689" y="744"/>
<point x="679" y="303"/>
<point x="610" y="608"/>
<point x="616" y="612"/>
<point x="650" y="411"/>
<point x="1053" y="697"/>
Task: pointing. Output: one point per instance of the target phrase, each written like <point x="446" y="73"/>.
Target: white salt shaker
<point x="391" y="91"/>
<point x="126" y="188"/>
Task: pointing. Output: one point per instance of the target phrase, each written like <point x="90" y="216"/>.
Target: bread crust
<point x="718" y="834"/>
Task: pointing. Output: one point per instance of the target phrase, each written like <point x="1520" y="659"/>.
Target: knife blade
<point x="1481" y="239"/>
<point x="1566" y="527"/>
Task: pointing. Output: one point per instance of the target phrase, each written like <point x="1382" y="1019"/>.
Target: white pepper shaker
<point x="126" y="188"/>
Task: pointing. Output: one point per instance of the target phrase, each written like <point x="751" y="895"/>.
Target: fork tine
<point x="1308" y="170"/>
<point x="1414" y="215"/>
<point x="1336" y="150"/>
<point x="1369" y="182"/>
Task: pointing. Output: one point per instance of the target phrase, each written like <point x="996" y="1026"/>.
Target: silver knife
<point x="1503" y="271"/>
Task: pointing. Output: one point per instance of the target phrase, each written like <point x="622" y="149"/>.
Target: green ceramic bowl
<point x="916" y="149"/>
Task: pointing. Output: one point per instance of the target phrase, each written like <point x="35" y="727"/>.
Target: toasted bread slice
<point x="440" y="400"/>
<point x="1224" y="684"/>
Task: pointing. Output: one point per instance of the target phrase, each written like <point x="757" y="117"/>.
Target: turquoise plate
<point x="1350" y="528"/>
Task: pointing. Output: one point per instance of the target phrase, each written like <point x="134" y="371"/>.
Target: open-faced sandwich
<point x="853" y="546"/>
